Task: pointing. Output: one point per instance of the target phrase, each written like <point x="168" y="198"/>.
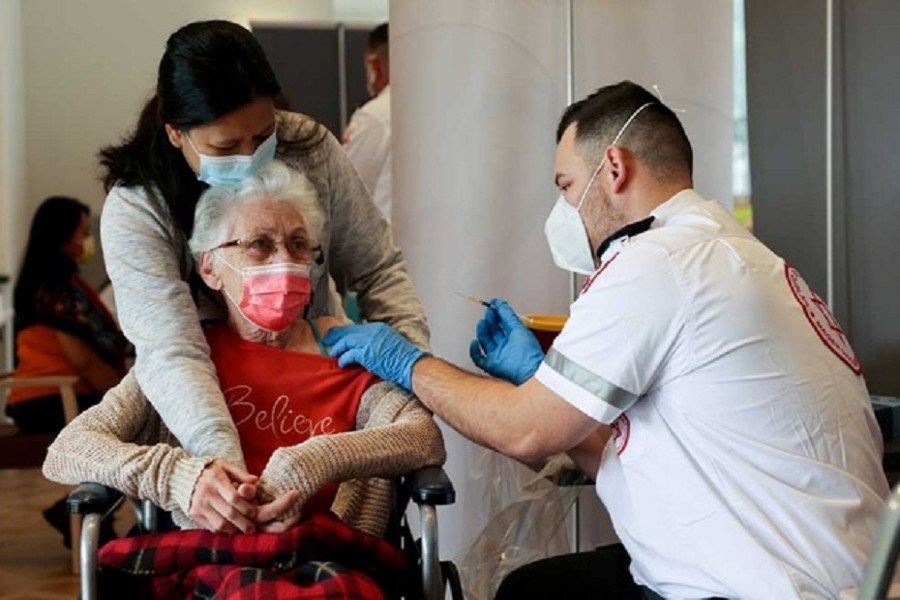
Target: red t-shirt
<point x="282" y="398"/>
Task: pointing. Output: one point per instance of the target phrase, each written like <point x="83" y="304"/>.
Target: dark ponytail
<point x="209" y="69"/>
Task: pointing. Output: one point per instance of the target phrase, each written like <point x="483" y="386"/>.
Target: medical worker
<point x="699" y="380"/>
<point x="367" y="138"/>
<point x="212" y="120"/>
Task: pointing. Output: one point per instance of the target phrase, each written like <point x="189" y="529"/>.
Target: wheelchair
<point x="878" y="578"/>
<point x="428" y="488"/>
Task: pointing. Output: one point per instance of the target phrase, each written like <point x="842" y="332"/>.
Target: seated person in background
<point x="62" y="329"/>
<point x="62" y="326"/>
<point x="305" y="425"/>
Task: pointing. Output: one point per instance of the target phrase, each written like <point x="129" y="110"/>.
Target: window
<point x="740" y="173"/>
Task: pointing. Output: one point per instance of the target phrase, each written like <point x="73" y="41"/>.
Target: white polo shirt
<point x="367" y="141"/>
<point x="745" y="460"/>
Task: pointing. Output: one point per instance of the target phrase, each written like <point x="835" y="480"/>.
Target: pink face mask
<point x="272" y="296"/>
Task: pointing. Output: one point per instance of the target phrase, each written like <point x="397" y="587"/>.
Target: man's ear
<point x="378" y="69"/>
<point x="206" y="264"/>
<point x="618" y="160"/>
<point x="176" y="136"/>
<point x="381" y="67"/>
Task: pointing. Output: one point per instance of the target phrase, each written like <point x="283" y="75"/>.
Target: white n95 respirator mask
<point x="567" y="237"/>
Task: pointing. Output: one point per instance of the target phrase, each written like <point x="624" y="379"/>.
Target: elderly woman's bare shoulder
<point x="323" y="324"/>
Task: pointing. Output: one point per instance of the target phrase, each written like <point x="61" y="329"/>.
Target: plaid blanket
<point x="319" y="558"/>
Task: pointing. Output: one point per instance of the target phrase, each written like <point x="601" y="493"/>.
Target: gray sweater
<point x="149" y="264"/>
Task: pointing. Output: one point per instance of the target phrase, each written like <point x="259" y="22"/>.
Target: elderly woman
<point x="305" y="425"/>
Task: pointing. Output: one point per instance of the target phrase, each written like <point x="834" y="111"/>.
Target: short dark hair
<point x="378" y="39"/>
<point x="655" y="136"/>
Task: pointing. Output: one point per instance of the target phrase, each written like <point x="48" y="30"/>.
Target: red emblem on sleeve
<point x="823" y="322"/>
<point x="621" y="431"/>
<point x="590" y="280"/>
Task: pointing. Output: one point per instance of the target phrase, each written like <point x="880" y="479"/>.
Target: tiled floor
<point x="34" y="565"/>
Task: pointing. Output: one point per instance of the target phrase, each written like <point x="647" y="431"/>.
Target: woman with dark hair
<point x="62" y="326"/>
<point x="213" y="120"/>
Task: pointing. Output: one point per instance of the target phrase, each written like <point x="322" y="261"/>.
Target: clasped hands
<point x="228" y="499"/>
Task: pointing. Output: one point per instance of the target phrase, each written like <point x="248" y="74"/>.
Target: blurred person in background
<point x="367" y="138"/>
<point x="62" y="327"/>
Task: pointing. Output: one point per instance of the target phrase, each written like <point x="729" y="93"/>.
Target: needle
<point x="477" y="300"/>
<point x="473" y="299"/>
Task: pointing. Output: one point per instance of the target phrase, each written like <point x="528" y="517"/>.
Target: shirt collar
<point x="619" y="237"/>
<point x="658" y="216"/>
<point x="675" y="204"/>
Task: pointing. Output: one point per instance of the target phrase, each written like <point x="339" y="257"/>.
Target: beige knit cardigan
<point x="123" y="443"/>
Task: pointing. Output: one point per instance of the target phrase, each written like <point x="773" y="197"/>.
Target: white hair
<point x="275" y="182"/>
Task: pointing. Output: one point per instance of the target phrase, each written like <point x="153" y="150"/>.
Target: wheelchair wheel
<point x="451" y="578"/>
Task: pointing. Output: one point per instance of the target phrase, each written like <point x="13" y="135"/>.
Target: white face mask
<point x="564" y="229"/>
<point x="88" y="249"/>
<point x="566" y="235"/>
<point x="224" y="170"/>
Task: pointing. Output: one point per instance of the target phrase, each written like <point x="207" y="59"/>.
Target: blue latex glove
<point x="378" y="348"/>
<point x="503" y="346"/>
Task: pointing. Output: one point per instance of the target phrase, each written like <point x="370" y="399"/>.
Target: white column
<point x="12" y="168"/>
<point x="12" y="136"/>
<point x="477" y="90"/>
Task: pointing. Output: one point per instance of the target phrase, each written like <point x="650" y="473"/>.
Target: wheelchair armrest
<point x="90" y="498"/>
<point x="431" y="485"/>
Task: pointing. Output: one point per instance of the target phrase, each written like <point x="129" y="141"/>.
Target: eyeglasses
<point x="262" y="247"/>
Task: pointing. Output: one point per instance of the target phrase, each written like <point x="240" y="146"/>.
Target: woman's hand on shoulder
<point x="222" y="500"/>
